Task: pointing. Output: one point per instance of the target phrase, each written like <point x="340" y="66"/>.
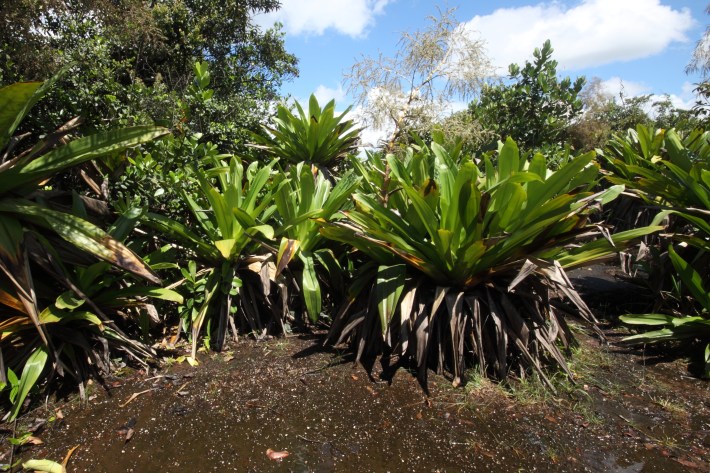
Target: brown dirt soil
<point x="289" y="395"/>
<point x="625" y="413"/>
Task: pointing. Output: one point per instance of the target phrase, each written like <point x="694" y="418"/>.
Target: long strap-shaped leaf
<point x="14" y="263"/>
<point x="82" y="234"/>
<point x="15" y="101"/>
<point x="30" y="374"/>
<point x="76" y="152"/>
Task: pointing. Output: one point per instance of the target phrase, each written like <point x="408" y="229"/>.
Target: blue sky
<point x="645" y="44"/>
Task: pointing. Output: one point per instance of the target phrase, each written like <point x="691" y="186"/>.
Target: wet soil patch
<point x="627" y="411"/>
<point x="331" y="417"/>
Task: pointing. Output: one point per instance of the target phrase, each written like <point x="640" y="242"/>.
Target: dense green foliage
<point x="318" y="137"/>
<point x="229" y="214"/>
<point x="672" y="174"/>
<point x="131" y="62"/>
<point x="63" y="317"/>
<point x="436" y="256"/>
<point x="535" y="108"/>
<point x="462" y="258"/>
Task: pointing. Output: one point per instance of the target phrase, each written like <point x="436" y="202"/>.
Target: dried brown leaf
<point x="276" y="456"/>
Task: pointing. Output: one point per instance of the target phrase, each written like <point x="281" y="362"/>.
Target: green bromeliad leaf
<point x="388" y="290"/>
<point x="30" y="374"/>
<point x="310" y="286"/>
<point x="80" y="233"/>
<point x="15" y="101"/>
<point x="76" y="152"/>
<point x="691" y="278"/>
<point x="458" y="225"/>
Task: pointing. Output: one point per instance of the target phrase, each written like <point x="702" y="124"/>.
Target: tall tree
<point x="534" y="107"/>
<point x="413" y="88"/>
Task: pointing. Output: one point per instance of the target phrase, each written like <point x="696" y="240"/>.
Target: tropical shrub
<point x="319" y="138"/>
<point x="230" y="277"/>
<point x="671" y="173"/>
<point x="51" y="316"/>
<point x="535" y="108"/>
<point x="467" y="263"/>
<point x="131" y="62"/>
<point x="303" y="195"/>
<point x="155" y="175"/>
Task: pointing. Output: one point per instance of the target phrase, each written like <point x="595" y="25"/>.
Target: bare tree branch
<point x="431" y="68"/>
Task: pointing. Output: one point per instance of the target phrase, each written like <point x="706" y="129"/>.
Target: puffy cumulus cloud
<point x="326" y="94"/>
<point x="348" y="17"/>
<point x="590" y="33"/>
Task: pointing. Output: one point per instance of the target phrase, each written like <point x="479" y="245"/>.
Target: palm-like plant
<point x="468" y="262"/>
<point x="677" y="325"/>
<point x="301" y="197"/>
<point x="230" y="210"/>
<point x="32" y="232"/>
<point x="672" y="173"/>
<point x="661" y="167"/>
<point x="320" y="137"/>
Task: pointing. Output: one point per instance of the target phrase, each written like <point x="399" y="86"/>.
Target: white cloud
<point x="679" y="101"/>
<point x="684" y="100"/>
<point x="326" y="94"/>
<point x="591" y="33"/>
<point x="615" y="86"/>
<point x="348" y="17"/>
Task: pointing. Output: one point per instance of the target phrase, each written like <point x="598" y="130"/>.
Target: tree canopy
<point x="132" y="60"/>
<point x="535" y="107"/>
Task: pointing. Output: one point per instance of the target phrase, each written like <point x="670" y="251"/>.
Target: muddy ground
<point x="628" y="411"/>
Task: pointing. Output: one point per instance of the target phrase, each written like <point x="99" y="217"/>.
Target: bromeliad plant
<point x="661" y="167"/>
<point x="233" y="284"/>
<point x="676" y="325"/>
<point x="468" y="262"/>
<point x="304" y="194"/>
<point x="35" y="234"/>
<point x="672" y="173"/>
<point x="319" y="138"/>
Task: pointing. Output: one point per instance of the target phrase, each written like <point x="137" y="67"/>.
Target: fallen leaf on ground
<point x="135" y="395"/>
<point x="46" y="466"/>
<point x="69" y="454"/>
<point x="32" y="440"/>
<point x="277" y="456"/>
<point x="687" y="463"/>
